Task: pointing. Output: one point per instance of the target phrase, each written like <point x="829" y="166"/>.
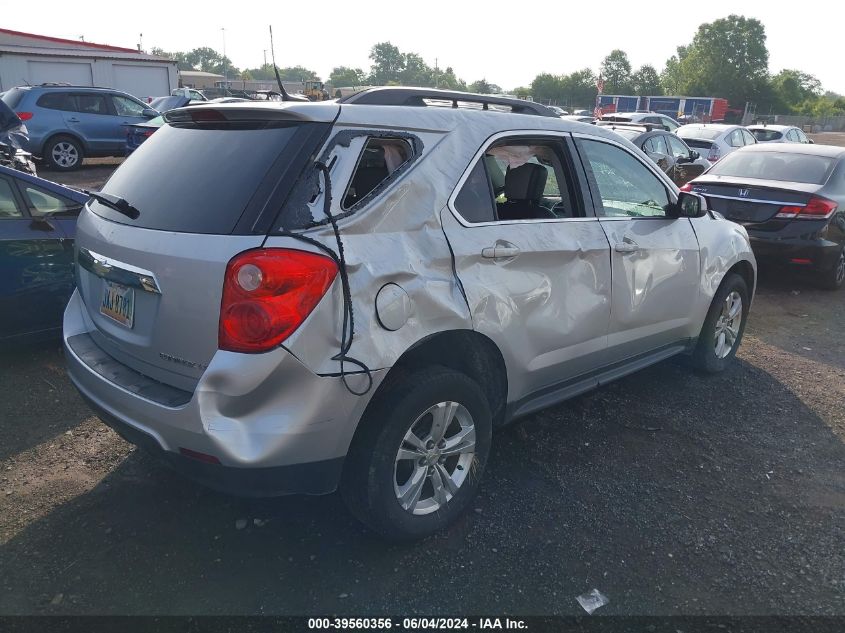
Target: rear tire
<point x="724" y="326"/>
<point x="834" y="278"/>
<point x="63" y="153"/>
<point x="396" y="481"/>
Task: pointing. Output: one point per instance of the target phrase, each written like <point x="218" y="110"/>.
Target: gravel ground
<point x="670" y="492"/>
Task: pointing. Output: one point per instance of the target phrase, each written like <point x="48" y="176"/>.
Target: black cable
<point x="348" y="329"/>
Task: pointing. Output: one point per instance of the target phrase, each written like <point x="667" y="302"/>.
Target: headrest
<point x="525" y="182"/>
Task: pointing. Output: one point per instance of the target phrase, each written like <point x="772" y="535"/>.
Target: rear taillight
<point x="687" y="187"/>
<point x="24" y="116"/>
<point x="817" y="208"/>
<point x="147" y="134"/>
<point x="267" y="294"/>
<point x="715" y="153"/>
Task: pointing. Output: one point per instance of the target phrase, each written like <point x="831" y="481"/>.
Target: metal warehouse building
<point x="26" y="58"/>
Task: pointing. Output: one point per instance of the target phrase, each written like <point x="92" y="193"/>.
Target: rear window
<point x="56" y="101"/>
<point x="785" y="166"/>
<point x="12" y="97"/>
<point x="699" y="132"/>
<point x="766" y="135"/>
<point x="201" y="178"/>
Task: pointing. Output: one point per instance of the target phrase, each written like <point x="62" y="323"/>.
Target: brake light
<point x="817" y="208"/>
<point x="147" y="134"/>
<point x="687" y="187"/>
<point x="206" y="114"/>
<point x="715" y="153"/>
<point x="267" y="294"/>
<point x="24" y="116"/>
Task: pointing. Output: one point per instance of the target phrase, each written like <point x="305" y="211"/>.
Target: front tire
<point x="724" y="326"/>
<point x="419" y="454"/>
<point x="63" y="153"/>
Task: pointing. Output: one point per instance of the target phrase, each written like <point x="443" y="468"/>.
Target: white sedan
<point x="778" y="134"/>
<point x="717" y="140"/>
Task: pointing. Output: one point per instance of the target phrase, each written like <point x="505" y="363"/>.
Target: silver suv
<point x="298" y="297"/>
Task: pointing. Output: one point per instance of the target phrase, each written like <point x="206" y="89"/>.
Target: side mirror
<point x="689" y="205"/>
<point x="149" y="113"/>
<point x="810" y="141"/>
<point x="693" y="155"/>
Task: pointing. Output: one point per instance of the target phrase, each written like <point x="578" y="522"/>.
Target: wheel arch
<point x="466" y="351"/>
<point x="53" y="135"/>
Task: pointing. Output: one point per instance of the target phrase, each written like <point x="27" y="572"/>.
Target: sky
<point x="495" y="40"/>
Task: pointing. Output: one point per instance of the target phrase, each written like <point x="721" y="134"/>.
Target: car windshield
<point x="763" y="134"/>
<point x="700" y="132"/>
<point x="784" y="166"/>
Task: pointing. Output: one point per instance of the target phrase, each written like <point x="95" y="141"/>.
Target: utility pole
<point x="141" y="42"/>
<point x="225" y="76"/>
<point x="436" y="73"/>
<point x="265" y="56"/>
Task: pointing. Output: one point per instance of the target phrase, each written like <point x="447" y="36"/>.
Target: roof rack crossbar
<point x="417" y="96"/>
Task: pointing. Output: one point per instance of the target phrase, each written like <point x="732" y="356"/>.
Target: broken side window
<point x="377" y="162"/>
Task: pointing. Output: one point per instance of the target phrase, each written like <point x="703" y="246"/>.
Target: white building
<point x="31" y="59"/>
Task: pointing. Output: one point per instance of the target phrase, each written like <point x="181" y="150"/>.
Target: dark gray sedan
<point x="791" y="200"/>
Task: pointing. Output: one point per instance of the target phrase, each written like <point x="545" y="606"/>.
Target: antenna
<point x="285" y="95"/>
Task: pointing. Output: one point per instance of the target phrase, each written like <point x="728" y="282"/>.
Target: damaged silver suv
<point x="299" y="297"/>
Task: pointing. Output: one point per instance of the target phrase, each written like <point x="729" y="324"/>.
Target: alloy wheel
<point x="64" y="154"/>
<point x="728" y="324"/>
<point x="434" y="458"/>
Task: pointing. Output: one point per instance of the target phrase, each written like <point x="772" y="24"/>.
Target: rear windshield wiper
<point x="114" y="202"/>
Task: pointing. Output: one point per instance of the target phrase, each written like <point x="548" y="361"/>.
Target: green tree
<point x="346" y="76"/>
<point x="481" y="87"/>
<point x="579" y="89"/>
<point x="415" y="71"/>
<point x="727" y="58"/>
<point x="792" y="88"/>
<point x="671" y="79"/>
<point x="547" y="88"/>
<point x="179" y="57"/>
<point x="447" y="80"/>
<point x="646" y="81"/>
<point x="388" y="63"/>
<point x="616" y="72"/>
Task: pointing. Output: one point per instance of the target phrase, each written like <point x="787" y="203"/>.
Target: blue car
<point x="37" y="228"/>
<point x="68" y="123"/>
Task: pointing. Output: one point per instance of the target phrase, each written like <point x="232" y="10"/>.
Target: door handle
<point x="501" y="250"/>
<point x="626" y="247"/>
<point x="73" y="120"/>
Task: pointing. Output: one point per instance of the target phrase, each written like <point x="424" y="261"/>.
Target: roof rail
<point x="417" y="97"/>
<point x="649" y="127"/>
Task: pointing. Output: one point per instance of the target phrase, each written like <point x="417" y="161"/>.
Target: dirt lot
<point x="670" y="492"/>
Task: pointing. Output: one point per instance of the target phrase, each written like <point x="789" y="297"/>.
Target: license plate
<point x="118" y="303"/>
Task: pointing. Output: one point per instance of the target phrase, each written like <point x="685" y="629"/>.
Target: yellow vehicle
<point x="315" y="91"/>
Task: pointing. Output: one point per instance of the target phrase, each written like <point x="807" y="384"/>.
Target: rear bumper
<point x="311" y="478"/>
<point x="273" y="425"/>
<point x="815" y="253"/>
